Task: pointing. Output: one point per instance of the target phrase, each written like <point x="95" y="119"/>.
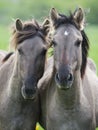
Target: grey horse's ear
<point x="79" y="18"/>
<point x="54" y="15"/>
<point x="46" y="26"/>
<point x="19" y="25"/>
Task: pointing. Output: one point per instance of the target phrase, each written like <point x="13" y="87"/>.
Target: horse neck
<point x="15" y="79"/>
<point x="70" y="98"/>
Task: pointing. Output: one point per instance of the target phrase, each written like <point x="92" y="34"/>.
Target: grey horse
<point x="68" y="90"/>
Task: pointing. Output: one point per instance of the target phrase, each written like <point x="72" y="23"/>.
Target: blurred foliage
<point x="39" y="9"/>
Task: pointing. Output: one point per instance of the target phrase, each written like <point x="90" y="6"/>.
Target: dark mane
<point x="85" y="43"/>
<point x="85" y="48"/>
<point x="7" y="56"/>
<point x="65" y="20"/>
<point x="30" y="29"/>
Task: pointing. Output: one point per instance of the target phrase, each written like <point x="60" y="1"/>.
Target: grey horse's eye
<point x="20" y="51"/>
<point x="78" y="43"/>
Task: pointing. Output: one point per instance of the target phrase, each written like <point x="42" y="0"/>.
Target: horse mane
<point x="85" y="48"/>
<point x="7" y="57"/>
<point x="30" y="29"/>
<point x="85" y="42"/>
<point x="63" y="19"/>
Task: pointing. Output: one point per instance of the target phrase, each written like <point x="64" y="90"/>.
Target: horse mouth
<point x="64" y="86"/>
<point x="31" y="95"/>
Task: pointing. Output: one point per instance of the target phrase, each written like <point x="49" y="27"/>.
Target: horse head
<point x="30" y="41"/>
<point x="70" y="46"/>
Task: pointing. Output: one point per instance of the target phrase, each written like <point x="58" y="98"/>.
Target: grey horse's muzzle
<point x="64" y="77"/>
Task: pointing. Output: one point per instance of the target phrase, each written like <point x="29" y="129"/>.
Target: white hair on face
<point x="66" y="33"/>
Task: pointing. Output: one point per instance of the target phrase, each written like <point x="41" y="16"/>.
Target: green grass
<point x="4" y="37"/>
<point x="92" y="33"/>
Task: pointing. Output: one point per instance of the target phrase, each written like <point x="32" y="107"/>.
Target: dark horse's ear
<point x="54" y="16"/>
<point x="46" y="27"/>
<point x="46" y="31"/>
<point x="19" y="25"/>
<point x="79" y="18"/>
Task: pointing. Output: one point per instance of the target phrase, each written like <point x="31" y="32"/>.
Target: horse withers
<point x="2" y="55"/>
<point x="69" y="98"/>
<point x="19" y="75"/>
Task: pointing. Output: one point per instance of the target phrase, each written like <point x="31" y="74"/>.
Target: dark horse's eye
<point x="54" y="43"/>
<point x="77" y="43"/>
<point x="20" y="51"/>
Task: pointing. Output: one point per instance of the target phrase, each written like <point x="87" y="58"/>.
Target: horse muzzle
<point x="64" y="82"/>
<point x="28" y="93"/>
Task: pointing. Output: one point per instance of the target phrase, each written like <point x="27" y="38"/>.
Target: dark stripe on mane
<point x="7" y="56"/>
<point x="85" y="43"/>
<point x="85" y="48"/>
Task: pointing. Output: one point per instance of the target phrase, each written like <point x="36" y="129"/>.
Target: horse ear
<point x="19" y="25"/>
<point x="79" y="18"/>
<point x="54" y="15"/>
<point x="46" y="31"/>
<point x="46" y="26"/>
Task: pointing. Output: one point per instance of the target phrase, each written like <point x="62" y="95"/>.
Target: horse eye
<point x="54" y="43"/>
<point x="20" y="51"/>
<point x="78" y="43"/>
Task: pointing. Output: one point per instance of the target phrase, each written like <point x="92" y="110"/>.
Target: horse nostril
<point x="30" y="91"/>
<point x="70" y="77"/>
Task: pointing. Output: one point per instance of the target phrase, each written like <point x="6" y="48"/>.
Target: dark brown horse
<point x="19" y="75"/>
<point x="69" y="91"/>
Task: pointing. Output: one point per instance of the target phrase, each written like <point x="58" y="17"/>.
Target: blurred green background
<point x="39" y="9"/>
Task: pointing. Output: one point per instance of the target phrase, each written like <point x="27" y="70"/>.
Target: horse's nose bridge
<point x="64" y="72"/>
<point x="65" y="57"/>
<point x="30" y="83"/>
<point x="29" y="71"/>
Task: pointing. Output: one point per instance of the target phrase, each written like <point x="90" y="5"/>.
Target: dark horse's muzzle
<point x="64" y="77"/>
<point x="29" y="88"/>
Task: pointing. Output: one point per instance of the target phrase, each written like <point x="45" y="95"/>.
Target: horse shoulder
<point x="92" y="65"/>
<point x="90" y="86"/>
<point x="93" y="85"/>
<point x="91" y="77"/>
<point x="5" y="72"/>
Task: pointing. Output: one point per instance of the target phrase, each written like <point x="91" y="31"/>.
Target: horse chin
<point x="64" y="87"/>
<point x="28" y="97"/>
